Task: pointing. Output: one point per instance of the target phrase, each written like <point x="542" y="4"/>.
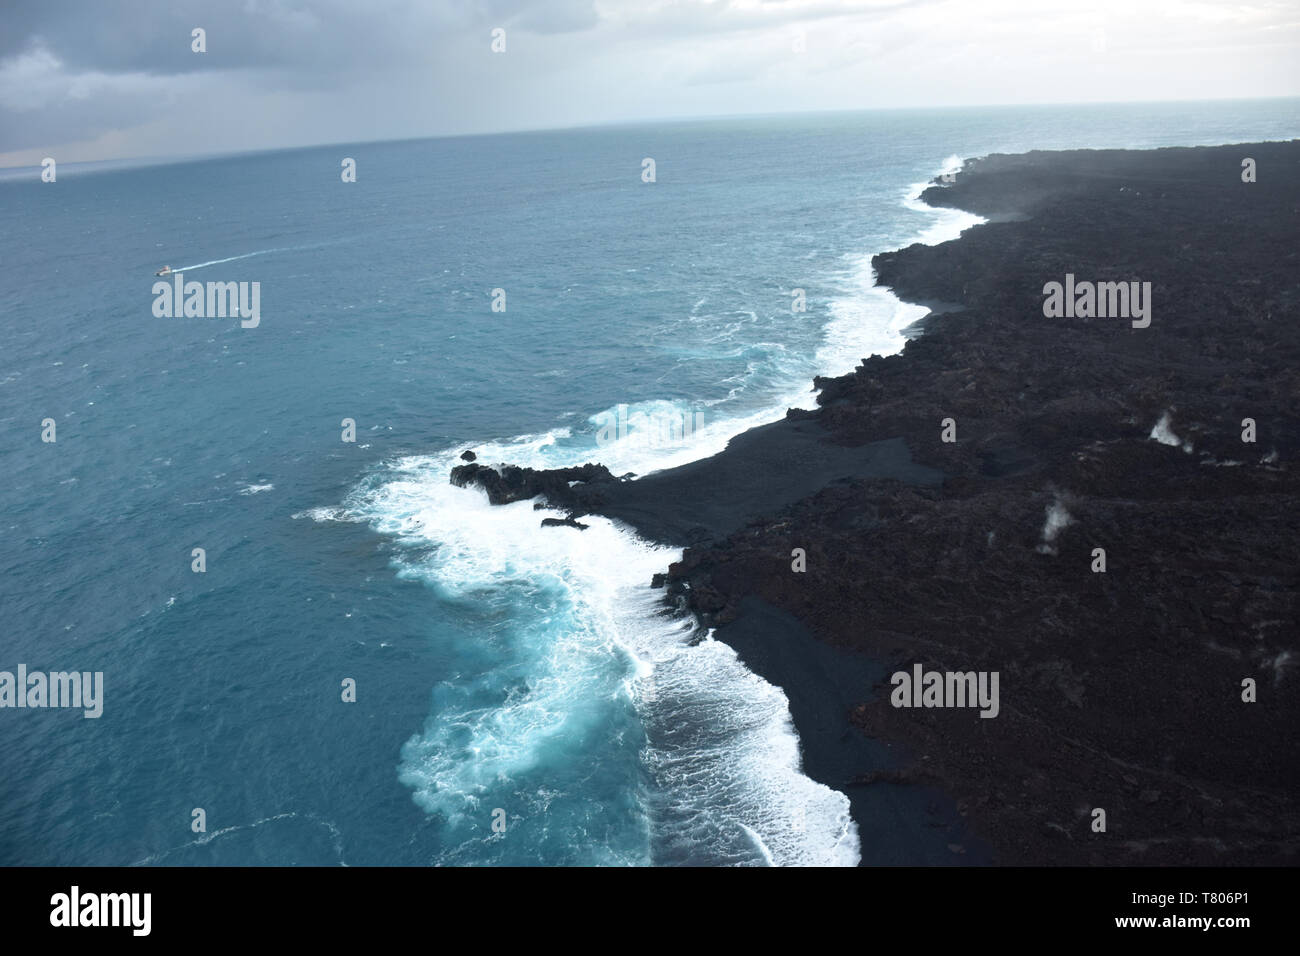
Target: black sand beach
<point x="1120" y="690"/>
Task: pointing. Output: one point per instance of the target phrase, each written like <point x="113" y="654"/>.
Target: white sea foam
<point x="868" y="319"/>
<point x="737" y="769"/>
<point x="945" y="223"/>
<point x="324" y="515"/>
<point x="641" y="451"/>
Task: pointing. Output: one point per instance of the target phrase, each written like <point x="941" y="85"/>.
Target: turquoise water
<point x="499" y="666"/>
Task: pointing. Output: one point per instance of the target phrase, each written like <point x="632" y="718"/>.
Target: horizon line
<point x="178" y="158"/>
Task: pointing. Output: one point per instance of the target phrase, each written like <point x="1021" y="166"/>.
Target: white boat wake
<point x="259" y="252"/>
<point x="217" y="262"/>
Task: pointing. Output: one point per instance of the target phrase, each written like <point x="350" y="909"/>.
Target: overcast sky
<point x="106" y="79"/>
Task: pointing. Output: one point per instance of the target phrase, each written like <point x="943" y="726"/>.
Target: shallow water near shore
<point x="499" y="665"/>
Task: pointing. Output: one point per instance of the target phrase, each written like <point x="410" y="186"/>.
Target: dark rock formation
<point x="511" y="483"/>
<point x="569" y="522"/>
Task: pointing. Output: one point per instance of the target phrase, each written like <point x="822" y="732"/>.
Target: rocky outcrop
<point x="569" y="522"/>
<point x="507" y="483"/>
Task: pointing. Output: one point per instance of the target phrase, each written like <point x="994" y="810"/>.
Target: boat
<point x="164" y="271"/>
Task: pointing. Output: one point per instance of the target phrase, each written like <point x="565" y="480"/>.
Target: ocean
<point x="521" y="696"/>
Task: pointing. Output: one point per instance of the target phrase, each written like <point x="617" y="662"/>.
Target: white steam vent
<point x="1165" y="435"/>
<point x="1057" y="520"/>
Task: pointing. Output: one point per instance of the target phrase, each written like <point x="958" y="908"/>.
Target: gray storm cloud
<point x="90" y="79"/>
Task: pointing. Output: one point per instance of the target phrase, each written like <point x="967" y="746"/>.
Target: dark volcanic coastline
<point x="1119" y="690"/>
